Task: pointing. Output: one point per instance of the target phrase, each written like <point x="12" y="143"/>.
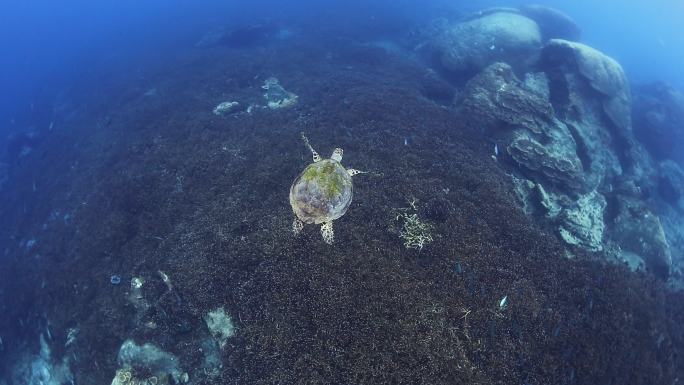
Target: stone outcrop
<point x="639" y="231"/>
<point x="497" y="34"/>
<point x="469" y="46"/>
<point x="553" y="23"/>
<point x="603" y="73"/>
<point x="659" y="120"/>
<point x="554" y="161"/>
<point x="582" y="223"/>
<point x="521" y="116"/>
<point x="566" y="134"/>
<point x="496" y="98"/>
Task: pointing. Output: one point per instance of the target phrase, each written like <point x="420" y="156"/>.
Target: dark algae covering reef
<point x="148" y="237"/>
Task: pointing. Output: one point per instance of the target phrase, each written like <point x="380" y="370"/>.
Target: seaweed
<point x="364" y="311"/>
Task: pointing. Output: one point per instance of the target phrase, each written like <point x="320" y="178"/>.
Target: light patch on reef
<point x="35" y="369"/>
<point x="225" y="108"/>
<point x="220" y="325"/>
<point x="276" y="96"/>
<point x="159" y="366"/>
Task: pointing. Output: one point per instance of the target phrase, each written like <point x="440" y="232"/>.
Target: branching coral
<point x="415" y="233"/>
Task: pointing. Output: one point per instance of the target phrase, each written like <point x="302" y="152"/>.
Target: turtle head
<point x="337" y="155"/>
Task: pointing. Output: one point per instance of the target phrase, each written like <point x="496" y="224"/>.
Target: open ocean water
<point x="341" y="192"/>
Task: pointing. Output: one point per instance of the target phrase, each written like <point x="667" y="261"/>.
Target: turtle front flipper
<point x="327" y="233"/>
<point x="316" y="157"/>
<point x="337" y="154"/>
<point x="297" y="226"/>
<point x="353" y="172"/>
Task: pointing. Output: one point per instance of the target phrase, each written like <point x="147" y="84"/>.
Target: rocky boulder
<point x="590" y="94"/>
<point x="581" y="224"/>
<point x="603" y="73"/>
<point x="471" y="45"/>
<point x="671" y="184"/>
<point x="659" y="120"/>
<point x="496" y="99"/>
<point x="637" y="230"/>
<point x="521" y="118"/>
<point x="553" y="23"/>
<point x="554" y="162"/>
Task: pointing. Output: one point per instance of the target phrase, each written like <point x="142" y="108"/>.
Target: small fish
<point x="52" y="124"/>
<point x="165" y="278"/>
<point x="503" y="302"/>
<point x="405" y="141"/>
<point x="1" y="346"/>
<point x="492" y="47"/>
<point x="496" y="149"/>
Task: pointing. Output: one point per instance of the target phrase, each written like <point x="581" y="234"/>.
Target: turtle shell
<point x="322" y="192"/>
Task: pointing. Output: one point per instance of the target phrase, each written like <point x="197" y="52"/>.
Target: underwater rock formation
<point x="603" y="73"/>
<point x="501" y="36"/>
<point x="638" y="230"/>
<point x="671" y="184"/>
<point x="553" y="23"/>
<point x="498" y="34"/>
<point x="553" y="160"/>
<point x="582" y="222"/>
<point x="575" y="162"/>
<point x="670" y="209"/>
<point x="276" y="96"/>
<point x="226" y="108"/>
<point x="659" y="120"/>
<point x="42" y="368"/>
<point x="146" y="358"/>
<point x="588" y="91"/>
<point x="495" y="99"/>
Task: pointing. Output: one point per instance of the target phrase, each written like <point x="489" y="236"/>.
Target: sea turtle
<point x="321" y="193"/>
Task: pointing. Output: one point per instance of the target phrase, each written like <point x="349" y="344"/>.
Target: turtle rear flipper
<point x="316" y="157"/>
<point x="353" y="172"/>
<point x="327" y="233"/>
<point x="297" y="226"/>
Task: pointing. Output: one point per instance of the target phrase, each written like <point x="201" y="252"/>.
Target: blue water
<point x="174" y="186"/>
<point x="46" y="45"/>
